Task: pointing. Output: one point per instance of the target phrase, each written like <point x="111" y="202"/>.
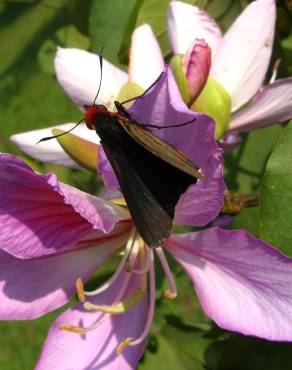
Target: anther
<point x="123" y="345"/>
<point x="80" y="290"/>
<point x="72" y="328"/>
<point x="170" y="294"/>
<point x="119" y="307"/>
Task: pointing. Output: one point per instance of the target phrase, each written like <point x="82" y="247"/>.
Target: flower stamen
<point x="73" y="328"/>
<point x="120" y="307"/>
<point x="123" y="345"/>
<point x="80" y="290"/>
<point x="141" y="338"/>
<point x="170" y="293"/>
<point x="107" y="284"/>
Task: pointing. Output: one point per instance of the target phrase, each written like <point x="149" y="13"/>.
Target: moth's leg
<point x="169" y="126"/>
<point x="121" y="109"/>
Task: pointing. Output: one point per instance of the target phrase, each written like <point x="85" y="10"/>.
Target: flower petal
<point x="144" y="70"/>
<point x="32" y="288"/>
<point x="242" y="60"/>
<point x="186" y="23"/>
<point x="40" y="215"/>
<point x="271" y="105"/>
<point x="50" y="151"/>
<point x="163" y="105"/>
<point x="97" y="348"/>
<point x="106" y="170"/>
<point x="78" y="71"/>
<point x="196" y="64"/>
<point x="243" y="283"/>
<point x="230" y="141"/>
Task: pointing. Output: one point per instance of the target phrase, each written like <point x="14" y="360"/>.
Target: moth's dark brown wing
<point x="150" y="185"/>
<point x="151" y="220"/>
<point x="159" y="147"/>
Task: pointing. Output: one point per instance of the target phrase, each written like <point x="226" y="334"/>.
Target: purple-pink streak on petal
<point x="40" y="215"/>
<point x="32" y="288"/>
<point x="243" y="283"/>
<point x="97" y="348"/>
<point x="272" y="105"/>
<point x="196" y="64"/>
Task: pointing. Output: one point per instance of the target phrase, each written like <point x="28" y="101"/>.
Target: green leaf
<point x="164" y="354"/>
<point x="128" y="30"/>
<point x="107" y="22"/>
<point x="276" y="195"/>
<point x="244" y="169"/>
<point x="154" y="12"/>
<point x="79" y="11"/>
<point x="31" y="20"/>
<point x="30" y="99"/>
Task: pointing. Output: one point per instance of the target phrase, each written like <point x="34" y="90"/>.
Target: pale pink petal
<point x="272" y="105"/>
<point x="146" y="59"/>
<point x="196" y="64"/>
<point x="243" y="283"/>
<point x="31" y="288"/>
<point x="186" y="23"/>
<point x="97" y="348"/>
<point x="78" y="71"/>
<point x="40" y="215"/>
<point x="50" y="151"/>
<point x="242" y="60"/>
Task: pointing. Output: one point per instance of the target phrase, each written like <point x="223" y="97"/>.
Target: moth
<point x="152" y="174"/>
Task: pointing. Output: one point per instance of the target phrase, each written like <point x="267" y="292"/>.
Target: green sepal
<point x="215" y="101"/>
<point x="180" y="77"/>
<point x="83" y="152"/>
<point x="128" y="91"/>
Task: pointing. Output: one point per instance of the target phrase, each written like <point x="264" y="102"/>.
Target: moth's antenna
<point x="63" y="133"/>
<point x="100" y="63"/>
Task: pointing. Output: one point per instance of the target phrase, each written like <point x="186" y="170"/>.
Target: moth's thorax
<point x="92" y="113"/>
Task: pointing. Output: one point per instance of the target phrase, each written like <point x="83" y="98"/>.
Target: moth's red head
<point x="91" y="112"/>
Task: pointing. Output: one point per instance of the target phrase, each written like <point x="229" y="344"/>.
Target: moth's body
<point x="151" y="173"/>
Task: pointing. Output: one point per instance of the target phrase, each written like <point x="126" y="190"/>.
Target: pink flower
<point x="53" y="236"/>
<point x="240" y="60"/>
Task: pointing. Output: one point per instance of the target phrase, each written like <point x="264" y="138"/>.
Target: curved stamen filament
<point x="130" y="341"/>
<point x="172" y="292"/>
<point x="107" y="284"/>
<point x="120" y="307"/>
<point x="117" y="307"/>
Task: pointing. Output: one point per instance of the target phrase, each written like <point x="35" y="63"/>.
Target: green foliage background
<point x="182" y="337"/>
